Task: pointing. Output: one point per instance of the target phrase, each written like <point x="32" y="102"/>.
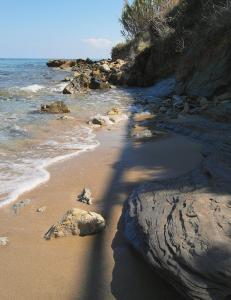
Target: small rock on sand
<point x="100" y="120"/>
<point x="18" y="205"/>
<point x="76" y="222"/>
<point x="118" y="118"/>
<point x="4" y="241"/>
<point x="146" y="133"/>
<point x="65" y="118"/>
<point x="86" y="196"/>
<point x="114" y="111"/>
<point x="41" y="209"/>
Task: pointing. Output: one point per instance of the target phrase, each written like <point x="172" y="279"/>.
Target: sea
<point x="31" y="141"/>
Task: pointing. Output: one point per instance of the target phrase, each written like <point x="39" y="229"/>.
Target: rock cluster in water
<point x="55" y="108"/>
<point x="91" y="75"/>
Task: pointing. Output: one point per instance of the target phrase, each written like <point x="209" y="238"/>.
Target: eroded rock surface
<point x="184" y="236"/>
<point x="76" y="222"/>
<point x="182" y="226"/>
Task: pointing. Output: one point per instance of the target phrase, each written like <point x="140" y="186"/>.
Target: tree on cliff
<point x="142" y="15"/>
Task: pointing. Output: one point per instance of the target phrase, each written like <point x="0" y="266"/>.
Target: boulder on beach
<point x="57" y="107"/>
<point x="183" y="232"/>
<point x="77" y="222"/>
<point x="86" y="196"/>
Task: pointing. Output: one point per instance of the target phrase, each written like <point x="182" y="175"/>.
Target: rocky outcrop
<point x="89" y="75"/>
<point x="61" y="63"/>
<point x="57" y="107"/>
<point x="76" y="222"/>
<point x="80" y="84"/>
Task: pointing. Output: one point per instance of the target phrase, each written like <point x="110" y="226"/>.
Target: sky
<point x="59" y="28"/>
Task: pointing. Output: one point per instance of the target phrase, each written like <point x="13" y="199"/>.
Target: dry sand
<point x="100" y="267"/>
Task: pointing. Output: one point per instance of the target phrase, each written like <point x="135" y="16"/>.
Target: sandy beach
<point x="99" y="266"/>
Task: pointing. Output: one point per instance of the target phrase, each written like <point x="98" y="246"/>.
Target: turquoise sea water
<point x="29" y="140"/>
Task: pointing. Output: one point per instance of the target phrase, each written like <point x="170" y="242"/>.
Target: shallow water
<point x="29" y="140"/>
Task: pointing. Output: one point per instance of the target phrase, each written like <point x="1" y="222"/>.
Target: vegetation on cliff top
<point x="177" y="33"/>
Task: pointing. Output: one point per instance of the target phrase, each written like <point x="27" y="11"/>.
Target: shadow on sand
<point x="131" y="277"/>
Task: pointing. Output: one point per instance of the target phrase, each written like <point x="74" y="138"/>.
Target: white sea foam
<point x="34" y="88"/>
<point x="59" y="87"/>
<point x="30" y="173"/>
<point x="18" y="130"/>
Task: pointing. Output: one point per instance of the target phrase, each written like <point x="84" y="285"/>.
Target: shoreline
<point x="58" y="269"/>
<point x="44" y="169"/>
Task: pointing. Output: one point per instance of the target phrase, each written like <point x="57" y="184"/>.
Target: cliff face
<point x="208" y="71"/>
<point x="194" y="45"/>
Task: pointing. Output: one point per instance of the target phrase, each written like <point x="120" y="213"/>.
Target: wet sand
<point x="99" y="267"/>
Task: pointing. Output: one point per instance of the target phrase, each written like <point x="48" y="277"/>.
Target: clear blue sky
<point x="59" y="28"/>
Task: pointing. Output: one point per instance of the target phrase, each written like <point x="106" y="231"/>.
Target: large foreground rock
<point x="76" y="222"/>
<point x="184" y="235"/>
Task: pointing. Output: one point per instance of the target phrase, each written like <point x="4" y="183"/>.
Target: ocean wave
<point x="59" y="87"/>
<point x="24" y="175"/>
<point x="34" y="88"/>
<point x="17" y="130"/>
